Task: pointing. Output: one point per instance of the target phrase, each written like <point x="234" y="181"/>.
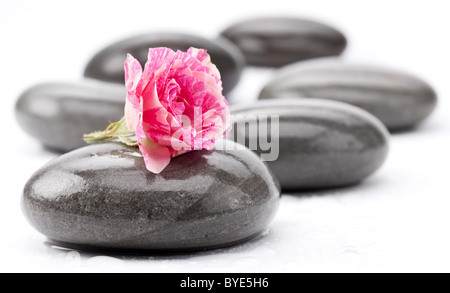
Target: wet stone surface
<point x="322" y="144"/>
<point x="59" y="114"/>
<point x="399" y="100"/>
<point x="276" y="42"/>
<point x="102" y="197"/>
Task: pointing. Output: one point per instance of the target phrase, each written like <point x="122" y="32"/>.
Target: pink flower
<point x="175" y="105"/>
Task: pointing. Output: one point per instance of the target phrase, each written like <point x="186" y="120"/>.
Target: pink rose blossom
<point x="175" y="105"/>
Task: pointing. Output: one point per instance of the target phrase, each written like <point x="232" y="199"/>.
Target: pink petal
<point x="185" y="64"/>
<point x="154" y="115"/>
<point x="156" y="157"/>
<point x="214" y="102"/>
<point x="212" y="85"/>
<point x="203" y="56"/>
<point x="133" y="74"/>
<point x="207" y="73"/>
<point x="193" y="91"/>
<point x="169" y="99"/>
<point x="131" y="116"/>
<point x="158" y="60"/>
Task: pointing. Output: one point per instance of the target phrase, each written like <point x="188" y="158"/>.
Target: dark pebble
<point x="58" y="114"/>
<point x="276" y="42"/>
<point x="108" y="64"/>
<point x="399" y="100"/>
<point x="323" y="144"/>
<point x="103" y="198"/>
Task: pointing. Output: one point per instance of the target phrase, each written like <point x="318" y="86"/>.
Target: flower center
<point x="174" y="102"/>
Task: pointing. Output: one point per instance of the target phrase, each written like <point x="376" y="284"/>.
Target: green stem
<point x="114" y="130"/>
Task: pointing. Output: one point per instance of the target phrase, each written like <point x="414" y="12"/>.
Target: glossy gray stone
<point x="323" y="144"/>
<point x="276" y="42"/>
<point x="108" y="64"/>
<point x="103" y="197"/>
<point x="399" y="100"/>
<point x="58" y="114"/>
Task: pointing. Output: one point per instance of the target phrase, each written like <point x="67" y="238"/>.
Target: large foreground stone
<point x="103" y="197"/>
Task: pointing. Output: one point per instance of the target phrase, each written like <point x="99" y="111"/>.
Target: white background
<point x="397" y="221"/>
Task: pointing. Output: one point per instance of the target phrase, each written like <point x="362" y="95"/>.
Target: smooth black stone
<point x="58" y="114"/>
<point x="108" y="64"/>
<point x="276" y="42"/>
<point x="399" y="100"/>
<point x="323" y="144"/>
<point x="103" y="197"/>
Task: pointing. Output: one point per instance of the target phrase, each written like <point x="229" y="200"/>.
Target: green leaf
<point x="122" y="129"/>
<point x="128" y="141"/>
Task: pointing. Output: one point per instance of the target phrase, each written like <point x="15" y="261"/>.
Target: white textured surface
<point x="398" y="220"/>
